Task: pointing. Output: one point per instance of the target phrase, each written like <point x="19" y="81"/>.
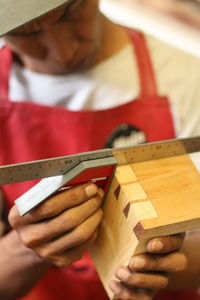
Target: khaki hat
<point x="14" y="13"/>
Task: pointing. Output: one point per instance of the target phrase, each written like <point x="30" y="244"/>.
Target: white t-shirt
<point x="115" y="82"/>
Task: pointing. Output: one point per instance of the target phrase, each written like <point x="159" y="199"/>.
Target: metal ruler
<point x="95" y="165"/>
<point x="61" y="165"/>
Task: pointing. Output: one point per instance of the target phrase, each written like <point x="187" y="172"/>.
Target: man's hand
<point x="63" y="227"/>
<point x="149" y="272"/>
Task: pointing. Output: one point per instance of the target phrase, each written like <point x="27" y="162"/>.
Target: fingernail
<point x="122" y="274"/>
<point x="155" y="246"/>
<point x="91" y="190"/>
<point x="100" y="192"/>
<point x="114" y="287"/>
<point x="137" y="263"/>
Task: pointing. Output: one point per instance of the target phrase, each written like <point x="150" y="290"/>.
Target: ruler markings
<point x="47" y="167"/>
<point x="61" y="165"/>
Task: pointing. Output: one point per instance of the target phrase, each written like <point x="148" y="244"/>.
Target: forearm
<point x="190" y="278"/>
<point x="20" y="267"/>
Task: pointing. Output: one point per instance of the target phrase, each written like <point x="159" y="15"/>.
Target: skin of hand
<point x="20" y="267"/>
<point x="149" y="272"/>
<point x="62" y="228"/>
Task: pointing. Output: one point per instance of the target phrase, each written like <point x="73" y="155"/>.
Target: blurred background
<point x="176" y="22"/>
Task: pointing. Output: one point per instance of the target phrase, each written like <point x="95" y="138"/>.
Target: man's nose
<point x="61" y="43"/>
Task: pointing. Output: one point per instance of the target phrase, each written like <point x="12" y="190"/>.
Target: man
<point x="65" y="88"/>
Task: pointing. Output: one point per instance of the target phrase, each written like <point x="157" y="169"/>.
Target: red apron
<point x="30" y="131"/>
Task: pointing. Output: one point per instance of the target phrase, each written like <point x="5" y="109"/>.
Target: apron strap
<point x="5" y="61"/>
<point x="146" y="73"/>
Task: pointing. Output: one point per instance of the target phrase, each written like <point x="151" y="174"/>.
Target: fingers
<point x="73" y="238"/>
<point x="165" y="244"/>
<point x="62" y="227"/>
<point x="34" y="234"/>
<point x="142" y="280"/>
<point x="122" y="292"/>
<point x="149" y="271"/>
<point x="55" y="205"/>
<point x="173" y="262"/>
<point x="73" y="254"/>
<point x="53" y="251"/>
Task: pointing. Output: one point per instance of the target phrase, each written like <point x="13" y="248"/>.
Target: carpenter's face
<point x="62" y="41"/>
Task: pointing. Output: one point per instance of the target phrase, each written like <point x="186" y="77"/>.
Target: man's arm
<point x="20" y="267"/>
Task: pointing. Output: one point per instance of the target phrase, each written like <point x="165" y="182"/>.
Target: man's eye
<point x="21" y="33"/>
<point x="72" y="6"/>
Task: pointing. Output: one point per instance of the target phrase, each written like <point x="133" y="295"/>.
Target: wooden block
<point x="111" y="249"/>
<point x="162" y="199"/>
<point x="129" y="192"/>
<point x="133" y="192"/>
<point x="117" y="226"/>
<point x="142" y="211"/>
<point x="125" y="174"/>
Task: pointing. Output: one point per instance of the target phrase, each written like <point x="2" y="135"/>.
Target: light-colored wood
<point x="141" y="211"/>
<point x="125" y="174"/>
<point x="156" y="198"/>
<point x="133" y="192"/>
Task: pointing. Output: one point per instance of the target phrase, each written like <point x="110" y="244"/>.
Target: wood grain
<point x="147" y="199"/>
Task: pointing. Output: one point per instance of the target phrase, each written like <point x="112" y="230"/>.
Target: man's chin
<point x="72" y="67"/>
